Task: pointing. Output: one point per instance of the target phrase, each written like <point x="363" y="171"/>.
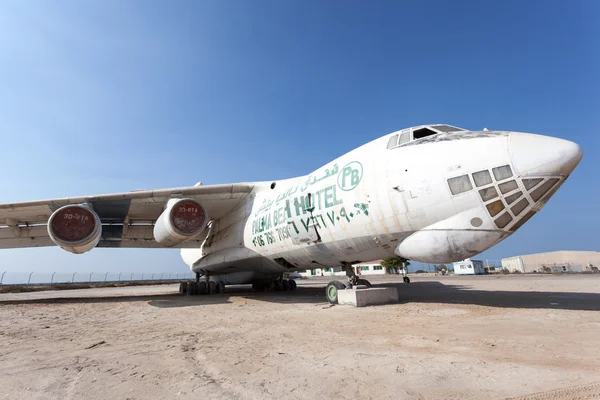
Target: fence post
<point x="142" y="276"/>
<point x="52" y="278"/>
<point x="1" y="279"/>
<point x="29" y="280"/>
<point x="105" y="275"/>
<point x="91" y="276"/>
<point x="73" y="280"/>
<point x="120" y="276"/>
<point x="177" y="275"/>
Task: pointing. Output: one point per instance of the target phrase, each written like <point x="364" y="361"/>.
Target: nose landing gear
<point x="331" y="291"/>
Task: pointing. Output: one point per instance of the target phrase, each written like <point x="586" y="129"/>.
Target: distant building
<point x="555" y="261"/>
<point x="468" y="267"/>
<point x="366" y="268"/>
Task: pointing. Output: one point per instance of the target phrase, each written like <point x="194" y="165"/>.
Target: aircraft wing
<point x="127" y="218"/>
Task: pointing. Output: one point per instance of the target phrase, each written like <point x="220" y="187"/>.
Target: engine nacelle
<point x="181" y="220"/>
<point x="75" y="228"/>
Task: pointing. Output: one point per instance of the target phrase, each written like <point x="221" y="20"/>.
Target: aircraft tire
<point x="292" y="284"/>
<point x="221" y="287"/>
<point x="202" y="287"/>
<point x="364" y="282"/>
<point x="331" y="291"/>
<point x="278" y="285"/>
<point x="286" y="284"/>
<point x="406" y="279"/>
<point x="182" y="288"/>
<point x="212" y="287"/>
<point x="189" y="291"/>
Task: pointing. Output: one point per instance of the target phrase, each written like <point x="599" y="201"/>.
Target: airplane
<point x="431" y="193"/>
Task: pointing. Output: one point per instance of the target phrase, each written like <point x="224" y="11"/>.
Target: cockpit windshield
<point x="419" y="132"/>
<point x="447" y="128"/>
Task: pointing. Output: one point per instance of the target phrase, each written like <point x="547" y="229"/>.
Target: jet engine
<point x="181" y="220"/>
<point x="75" y="228"/>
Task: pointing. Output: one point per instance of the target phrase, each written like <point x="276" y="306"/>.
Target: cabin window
<point x="502" y="172"/>
<point x="482" y="178"/>
<point x="423" y="132"/>
<point x="460" y="184"/>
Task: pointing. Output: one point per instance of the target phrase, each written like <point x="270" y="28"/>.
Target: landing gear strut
<point x="353" y="279"/>
<point x="331" y="291"/>
<point x="405" y="277"/>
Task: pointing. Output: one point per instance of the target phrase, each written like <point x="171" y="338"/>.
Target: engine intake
<point x="181" y="220"/>
<point x="75" y="228"/>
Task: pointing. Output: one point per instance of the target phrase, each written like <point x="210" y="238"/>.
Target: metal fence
<point x="30" y="278"/>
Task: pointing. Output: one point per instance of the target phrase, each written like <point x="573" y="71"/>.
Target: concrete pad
<point x="368" y="297"/>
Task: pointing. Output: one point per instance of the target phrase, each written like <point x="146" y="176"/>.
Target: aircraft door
<point x="302" y="227"/>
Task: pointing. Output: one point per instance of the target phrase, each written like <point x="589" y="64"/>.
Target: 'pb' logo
<point x="350" y="176"/>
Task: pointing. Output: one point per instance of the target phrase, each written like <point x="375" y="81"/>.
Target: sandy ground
<point x="485" y="337"/>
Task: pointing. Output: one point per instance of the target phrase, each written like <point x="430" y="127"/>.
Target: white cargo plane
<point x="431" y="193"/>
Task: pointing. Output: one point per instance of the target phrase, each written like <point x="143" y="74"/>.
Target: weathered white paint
<point x="411" y="210"/>
<point x="374" y="202"/>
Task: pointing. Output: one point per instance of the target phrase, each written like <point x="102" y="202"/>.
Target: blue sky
<point x="101" y="97"/>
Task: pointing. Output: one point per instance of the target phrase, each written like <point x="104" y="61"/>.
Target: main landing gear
<point x="276" y="286"/>
<point x="201" y="287"/>
<point x="331" y="291"/>
<point x="211" y="287"/>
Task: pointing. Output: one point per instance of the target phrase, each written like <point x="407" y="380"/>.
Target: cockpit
<point x="419" y="132"/>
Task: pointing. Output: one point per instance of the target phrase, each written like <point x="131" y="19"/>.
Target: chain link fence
<point x="36" y="278"/>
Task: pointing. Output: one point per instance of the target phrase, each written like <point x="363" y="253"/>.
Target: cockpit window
<point x="423" y="132"/>
<point x="392" y="142"/>
<point x="447" y="128"/>
<point x="404" y="138"/>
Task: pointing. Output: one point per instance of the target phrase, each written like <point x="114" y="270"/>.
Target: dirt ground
<point x="478" y="337"/>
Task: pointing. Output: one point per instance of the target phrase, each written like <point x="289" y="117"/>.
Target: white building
<point x="555" y="261"/>
<point x="366" y="268"/>
<point x="468" y="267"/>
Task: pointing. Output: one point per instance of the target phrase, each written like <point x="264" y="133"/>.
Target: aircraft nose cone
<point x="543" y="155"/>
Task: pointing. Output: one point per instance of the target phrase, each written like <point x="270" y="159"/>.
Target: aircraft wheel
<point x="286" y="284"/>
<point x="189" y="290"/>
<point x="221" y="287"/>
<point x="364" y="282"/>
<point x="278" y="285"/>
<point x="406" y="279"/>
<point x="331" y="291"/>
<point x="182" y="288"/>
<point x="292" y="284"/>
<point x="212" y="287"/>
<point x="202" y="287"/>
